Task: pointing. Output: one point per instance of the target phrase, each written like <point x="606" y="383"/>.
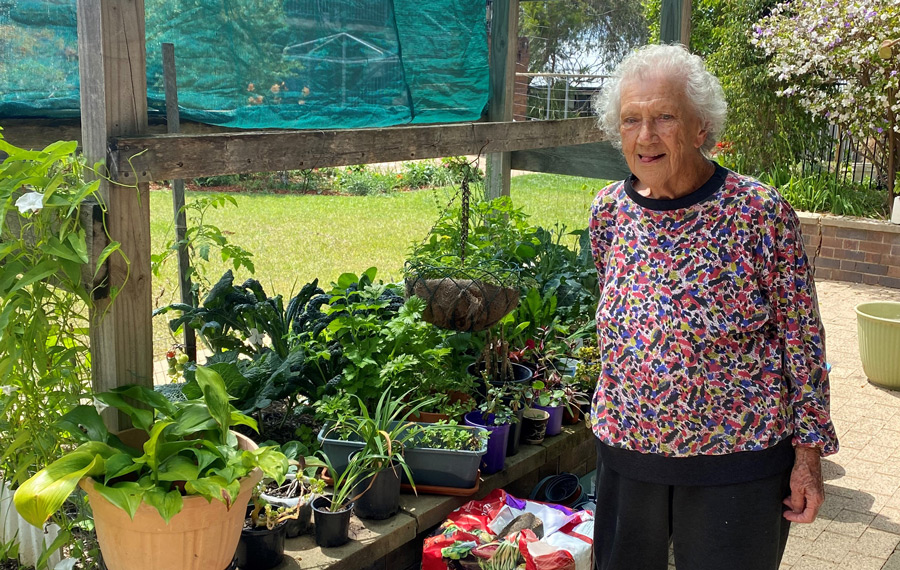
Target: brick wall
<point x="856" y="250"/>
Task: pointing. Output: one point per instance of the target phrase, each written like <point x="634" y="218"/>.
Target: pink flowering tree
<point x="839" y="58"/>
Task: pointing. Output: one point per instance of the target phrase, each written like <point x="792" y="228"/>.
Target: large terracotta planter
<point x="203" y="536"/>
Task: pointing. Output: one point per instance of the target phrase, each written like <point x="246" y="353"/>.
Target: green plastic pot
<point x="878" y="324"/>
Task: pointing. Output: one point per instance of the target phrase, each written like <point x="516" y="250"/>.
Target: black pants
<point x="727" y="527"/>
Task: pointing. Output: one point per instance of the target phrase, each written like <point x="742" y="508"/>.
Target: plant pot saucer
<point x="448" y="491"/>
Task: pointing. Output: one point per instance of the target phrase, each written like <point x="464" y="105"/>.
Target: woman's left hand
<point x="807" y="487"/>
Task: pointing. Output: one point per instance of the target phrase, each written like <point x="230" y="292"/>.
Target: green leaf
<point x="178" y="468"/>
<point x="216" y="397"/>
<point x="55" y="247"/>
<point x="77" y="241"/>
<point x="214" y="487"/>
<point x="168" y="504"/>
<point x="39" y="272"/>
<point x="85" y="418"/>
<point x="120" y="464"/>
<point x="272" y="462"/>
<point x="346" y="280"/>
<point x="127" y="495"/>
<point x="45" y="492"/>
<point x="151" y="448"/>
<point x="194" y="417"/>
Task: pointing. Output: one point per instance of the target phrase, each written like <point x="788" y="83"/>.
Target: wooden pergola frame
<point x="114" y="129"/>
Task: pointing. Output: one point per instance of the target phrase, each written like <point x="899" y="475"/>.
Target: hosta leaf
<point x="120" y="464"/>
<point x="178" y="468"/>
<point x="216" y="397"/>
<point x="45" y="492"/>
<point x="168" y="504"/>
<point x="127" y="496"/>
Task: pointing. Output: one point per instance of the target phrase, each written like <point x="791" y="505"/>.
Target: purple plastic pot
<point x="554" y="425"/>
<point x="495" y="458"/>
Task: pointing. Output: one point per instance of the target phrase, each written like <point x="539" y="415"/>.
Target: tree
<point x="763" y="130"/>
<point x="580" y="36"/>
<point x="825" y="54"/>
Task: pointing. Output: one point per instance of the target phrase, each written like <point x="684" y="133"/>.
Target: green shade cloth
<point x="310" y="64"/>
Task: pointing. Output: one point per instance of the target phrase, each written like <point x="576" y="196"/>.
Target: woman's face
<point x="661" y="133"/>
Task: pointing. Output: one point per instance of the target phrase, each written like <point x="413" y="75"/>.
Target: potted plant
<point x="169" y="493"/>
<point x="551" y="399"/>
<point x="495" y="415"/>
<point x="382" y="435"/>
<point x="467" y="267"/>
<point x="447" y="455"/>
<point x="534" y="425"/>
<point x="298" y="490"/>
<point x="331" y="513"/>
<point x="262" y="538"/>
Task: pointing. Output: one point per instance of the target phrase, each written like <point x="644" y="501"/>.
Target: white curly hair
<point x="701" y="87"/>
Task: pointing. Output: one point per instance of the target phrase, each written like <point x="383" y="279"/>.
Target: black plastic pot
<point x="332" y="529"/>
<point x="515" y="433"/>
<point x="261" y="548"/>
<point x="382" y="499"/>
<point x="521" y="374"/>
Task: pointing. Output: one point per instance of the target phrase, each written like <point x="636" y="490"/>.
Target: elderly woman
<point x="712" y="408"/>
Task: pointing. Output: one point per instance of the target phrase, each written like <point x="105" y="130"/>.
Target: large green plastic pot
<point x="878" y="324"/>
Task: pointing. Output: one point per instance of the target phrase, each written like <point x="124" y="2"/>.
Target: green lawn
<point x="295" y="238"/>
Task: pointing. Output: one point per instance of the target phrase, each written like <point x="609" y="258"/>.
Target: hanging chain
<point x="464" y="219"/>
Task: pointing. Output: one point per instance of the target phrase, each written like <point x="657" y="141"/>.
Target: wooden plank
<point x="114" y="102"/>
<point x="36" y="134"/>
<point x="502" y="61"/>
<point x="686" y="23"/>
<point x="164" y="157"/>
<point x="173" y="121"/>
<point x="592" y="160"/>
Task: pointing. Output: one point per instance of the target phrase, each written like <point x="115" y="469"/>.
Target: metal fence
<point x="544" y="96"/>
<point x="849" y="159"/>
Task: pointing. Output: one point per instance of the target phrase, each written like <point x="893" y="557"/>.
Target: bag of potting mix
<point x="503" y="532"/>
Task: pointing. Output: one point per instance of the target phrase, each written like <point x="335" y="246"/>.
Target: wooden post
<point x="502" y="58"/>
<point x="675" y="22"/>
<point x="173" y="122"/>
<point x="112" y="63"/>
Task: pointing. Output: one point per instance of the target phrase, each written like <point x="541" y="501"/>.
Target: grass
<point x="295" y="238"/>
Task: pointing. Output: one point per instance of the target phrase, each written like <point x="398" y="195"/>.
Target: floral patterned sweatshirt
<point x="710" y="334"/>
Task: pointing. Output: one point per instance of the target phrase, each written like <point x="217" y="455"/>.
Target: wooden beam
<point x="592" y="160"/>
<point x="165" y="157"/>
<point x="112" y="56"/>
<point x="35" y="134"/>
<point x="173" y="122"/>
<point x="502" y="60"/>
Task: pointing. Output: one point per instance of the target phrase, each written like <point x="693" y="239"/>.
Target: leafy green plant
<point x="823" y="192"/>
<point x="364" y="181"/>
<point x="382" y="338"/>
<point x="44" y="300"/>
<point x="502" y="402"/>
<point x="242" y="318"/>
<point x="190" y="450"/>
<point x="450" y="435"/>
<point x="202" y="239"/>
<point x="499" y="241"/>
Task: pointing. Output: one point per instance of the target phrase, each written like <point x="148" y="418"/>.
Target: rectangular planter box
<point x="430" y="467"/>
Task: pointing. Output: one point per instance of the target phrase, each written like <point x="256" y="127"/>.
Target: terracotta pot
<point x="203" y="536"/>
<point x="427" y="417"/>
<point x="571" y="418"/>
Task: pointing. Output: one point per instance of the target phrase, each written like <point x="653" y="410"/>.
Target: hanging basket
<point x="461" y="300"/>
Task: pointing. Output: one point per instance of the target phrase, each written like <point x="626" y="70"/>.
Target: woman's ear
<point x="701" y="137"/>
